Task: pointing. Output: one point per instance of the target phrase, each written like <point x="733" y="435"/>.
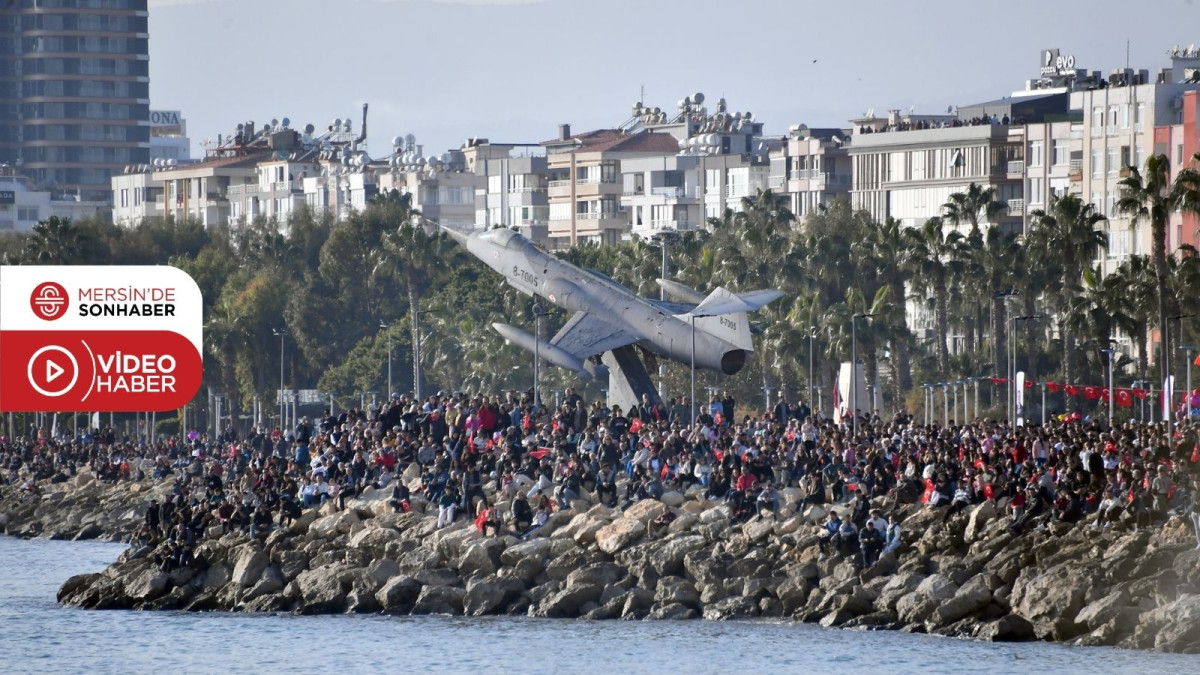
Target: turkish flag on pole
<point x="1141" y="393"/>
<point x="998" y="380"/>
<point x="1104" y="394"/>
<point x="1124" y="398"/>
<point x="1029" y="384"/>
<point x="1091" y="393"/>
<point x="1053" y="387"/>
<point x="1072" y="390"/>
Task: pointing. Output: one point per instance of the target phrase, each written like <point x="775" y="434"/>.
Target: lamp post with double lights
<point x="812" y="334"/>
<point x="853" y="407"/>
<point x="538" y="313"/>
<point x="1012" y="357"/>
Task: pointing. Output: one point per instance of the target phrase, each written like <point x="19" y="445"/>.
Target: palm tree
<point x="1066" y="238"/>
<point x="969" y="206"/>
<point x="993" y="258"/>
<point x="1152" y="199"/>
<point x="411" y="252"/>
<point x="1134" y="278"/>
<point x="936" y="258"/>
<point x="886" y="251"/>
<point x="55" y="241"/>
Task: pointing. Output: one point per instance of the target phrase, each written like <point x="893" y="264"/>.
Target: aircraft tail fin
<point x="723" y="314"/>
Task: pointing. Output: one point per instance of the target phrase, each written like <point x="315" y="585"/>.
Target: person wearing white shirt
<point x="892" y="536"/>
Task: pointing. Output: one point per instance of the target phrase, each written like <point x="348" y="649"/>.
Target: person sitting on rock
<point x="892" y="535"/>
<point x="846" y="540"/>
<point x="606" y="485"/>
<point x="447" y="505"/>
<point x="400" y="498"/>
<point x="961" y="500"/>
<point x="522" y="513"/>
<point x="871" y="542"/>
<point x="540" y="518"/>
<point x="260" y="522"/>
<point x="768" y="501"/>
<point x="289" y="510"/>
<point x="828" y="532"/>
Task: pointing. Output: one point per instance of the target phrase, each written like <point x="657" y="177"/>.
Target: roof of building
<point x="250" y="159"/>
<point x="612" y="140"/>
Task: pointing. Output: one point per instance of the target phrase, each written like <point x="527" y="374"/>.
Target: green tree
<point x="977" y="204"/>
<point x="1151" y="198"/>
<point x="937" y="258"/>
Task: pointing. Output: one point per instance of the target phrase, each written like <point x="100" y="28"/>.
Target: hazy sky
<point x="511" y="70"/>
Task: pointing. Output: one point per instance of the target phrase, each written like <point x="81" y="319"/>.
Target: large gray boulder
<point x="249" y="566"/>
<point x="439" y="600"/>
<point x="917" y="606"/>
<point x="490" y="595"/>
<point x="1050" y="600"/>
<point x="620" y="533"/>
<point x="398" y="594"/>
<point x="970" y="598"/>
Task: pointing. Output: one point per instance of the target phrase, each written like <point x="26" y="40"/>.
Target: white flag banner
<point x="1168" y="396"/>
<point x="1019" y="398"/>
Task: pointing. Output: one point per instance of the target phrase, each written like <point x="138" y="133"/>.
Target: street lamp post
<point x="282" y="333"/>
<point x="945" y="403"/>
<point x="692" y="400"/>
<point x="853" y="407"/>
<point x="812" y="333"/>
<point x="389" y="345"/>
<point x="1187" y="395"/>
<point x="538" y="313"/>
<point x="1110" y="353"/>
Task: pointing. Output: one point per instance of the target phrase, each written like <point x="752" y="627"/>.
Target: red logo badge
<point x="49" y="301"/>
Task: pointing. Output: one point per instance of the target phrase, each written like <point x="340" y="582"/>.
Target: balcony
<point x="558" y="183"/>
<point x="1016" y="166"/>
<point x="670" y="192"/>
<point x="1016" y="206"/>
<point x="595" y="216"/>
<point x="805" y="174"/>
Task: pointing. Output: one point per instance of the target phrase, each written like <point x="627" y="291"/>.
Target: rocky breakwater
<point x="81" y="507"/>
<point x="972" y="577"/>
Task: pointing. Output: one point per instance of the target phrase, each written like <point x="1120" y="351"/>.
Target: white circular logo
<point x="53" y="371"/>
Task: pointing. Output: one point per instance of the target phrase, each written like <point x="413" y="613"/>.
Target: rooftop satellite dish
<point x="337" y="124"/>
<point x="698" y="98"/>
<point x="794" y="128"/>
<point x="397" y="141"/>
<point x="410" y="139"/>
<point x="287" y="122"/>
<point x="347" y="124"/>
<point x="172" y="162"/>
<point x="309" y="129"/>
<point x="240" y="126"/>
<point x="275" y="122"/>
<point x="748" y="116"/>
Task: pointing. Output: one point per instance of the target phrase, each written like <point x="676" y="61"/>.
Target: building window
<point x="1113" y="163"/>
<point x="1179" y="155"/>
<point x="1062" y="152"/>
<point x="1097" y="121"/>
<point x="1035" y="192"/>
<point x="27" y="213"/>
<point x="124" y="198"/>
<point x="1035" y="153"/>
<point x="1097" y="163"/>
<point x="1124" y="117"/>
<point x="1139" y="116"/>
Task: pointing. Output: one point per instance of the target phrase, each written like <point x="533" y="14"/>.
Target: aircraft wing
<point x="672" y="307"/>
<point x="587" y="335"/>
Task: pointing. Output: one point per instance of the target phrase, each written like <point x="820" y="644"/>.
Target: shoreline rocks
<point x="972" y="577"/>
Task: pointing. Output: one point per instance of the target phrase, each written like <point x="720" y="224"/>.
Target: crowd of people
<point x="977" y="121"/>
<point x="508" y="466"/>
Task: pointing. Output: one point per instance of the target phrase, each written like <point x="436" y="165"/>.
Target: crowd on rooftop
<point x="508" y="465"/>
<point x="977" y="121"/>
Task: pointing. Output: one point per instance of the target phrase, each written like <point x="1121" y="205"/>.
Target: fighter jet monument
<point x="610" y="320"/>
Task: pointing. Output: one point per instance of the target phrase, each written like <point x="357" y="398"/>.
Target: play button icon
<point x="55" y="363"/>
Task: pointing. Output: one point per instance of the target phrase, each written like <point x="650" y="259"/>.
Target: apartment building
<point x="278" y="191"/>
<point x="23" y="204"/>
<point x="1180" y="142"/>
<point x="512" y="188"/>
<point x="1119" y="129"/>
<point x="136" y="196"/>
<point x="201" y="190"/>
<point x="812" y="167"/>
<point x="585" y="186"/>
<point x="74" y="92"/>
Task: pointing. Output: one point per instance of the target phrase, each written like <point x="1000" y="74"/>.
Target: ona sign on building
<point x="114" y="338"/>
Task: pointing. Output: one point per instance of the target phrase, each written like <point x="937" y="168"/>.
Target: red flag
<point x="1091" y="393"/>
<point x="1124" y="398"/>
<point x="1196" y="453"/>
<point x="528" y="422"/>
<point x="1104" y="394"/>
<point x="635" y="425"/>
<point x="539" y="453"/>
<point x="1053" y="387"/>
<point x="1029" y="384"/>
<point x="1197" y="361"/>
<point x="1072" y="390"/>
<point x="1141" y="393"/>
<point x="998" y="380"/>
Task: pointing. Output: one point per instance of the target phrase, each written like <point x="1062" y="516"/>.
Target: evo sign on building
<point x="78" y="338"/>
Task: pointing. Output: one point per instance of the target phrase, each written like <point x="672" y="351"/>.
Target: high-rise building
<point x="74" y="91"/>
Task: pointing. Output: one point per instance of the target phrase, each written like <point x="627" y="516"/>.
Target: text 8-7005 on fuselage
<point x="609" y="316"/>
